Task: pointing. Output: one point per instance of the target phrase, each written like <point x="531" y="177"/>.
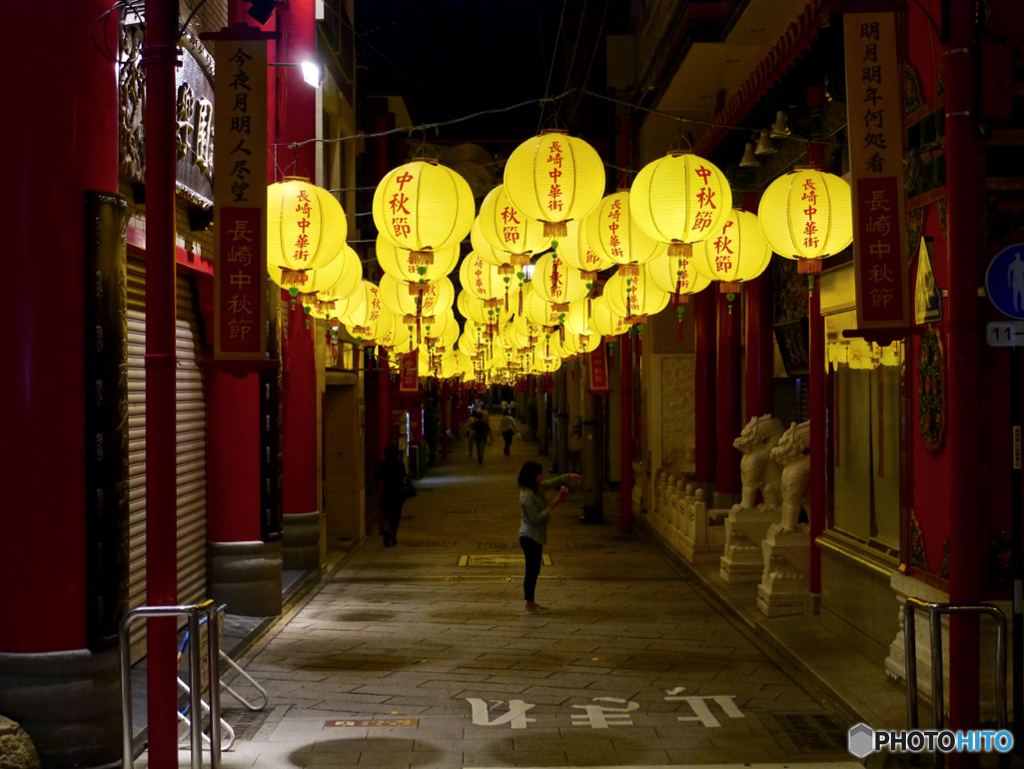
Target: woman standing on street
<point x="533" y="531"/>
<point x="508" y="429"/>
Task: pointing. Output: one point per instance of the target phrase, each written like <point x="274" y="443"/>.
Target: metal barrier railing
<point x="935" y="612"/>
<point x="195" y="675"/>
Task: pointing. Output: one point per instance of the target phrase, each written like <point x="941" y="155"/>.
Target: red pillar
<point x="296" y="122"/>
<point x="818" y="492"/>
<point x="704" y="324"/>
<point x="626" y="432"/>
<point x="160" y="58"/>
<point x="48" y="165"/>
<point x="964" y="197"/>
<point x="759" y="363"/>
<point x="232" y="456"/>
<point x="729" y="402"/>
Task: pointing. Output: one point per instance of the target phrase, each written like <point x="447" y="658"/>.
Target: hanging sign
<point x="927" y="299"/>
<point x="875" y="108"/>
<point x="409" y="372"/>
<point x="240" y="196"/>
<point x="598" y="366"/>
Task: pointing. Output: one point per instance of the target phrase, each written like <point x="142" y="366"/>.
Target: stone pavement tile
<point x="734" y="754"/>
<point x="781" y="706"/>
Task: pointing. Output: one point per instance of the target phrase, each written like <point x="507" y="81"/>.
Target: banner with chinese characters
<point x="240" y="199"/>
<point x="598" y="365"/>
<point x="409" y="372"/>
<point x="874" y="80"/>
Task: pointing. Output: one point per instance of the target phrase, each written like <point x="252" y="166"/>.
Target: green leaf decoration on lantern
<point x="293" y="292"/>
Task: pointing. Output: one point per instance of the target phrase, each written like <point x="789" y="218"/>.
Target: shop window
<point x="865" y="437"/>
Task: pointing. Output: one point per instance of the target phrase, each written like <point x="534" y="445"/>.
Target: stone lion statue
<point x="793" y="453"/>
<point x="757" y="470"/>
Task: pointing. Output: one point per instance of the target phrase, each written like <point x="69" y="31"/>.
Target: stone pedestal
<point x="745" y="529"/>
<point x="906" y="587"/>
<point x="702" y="535"/>
<point x="783" y="588"/>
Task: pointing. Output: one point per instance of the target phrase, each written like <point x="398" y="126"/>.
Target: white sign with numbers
<point x="1007" y="333"/>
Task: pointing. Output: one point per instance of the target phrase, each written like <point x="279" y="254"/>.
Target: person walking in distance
<point x="508" y="429"/>
<point x="533" y="531"/>
<point x="467" y="430"/>
<point x="481" y="435"/>
<point x="393" y="491"/>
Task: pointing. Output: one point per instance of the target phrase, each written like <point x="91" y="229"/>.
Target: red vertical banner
<point x="874" y="81"/>
<point x="409" y="373"/>
<point x="240" y="197"/>
<point x="598" y="365"/>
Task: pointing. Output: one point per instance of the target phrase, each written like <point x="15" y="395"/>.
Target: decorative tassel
<point x="808" y="266"/>
<point x="679" y="311"/>
<point x="556" y="229"/>
<point x="421" y="257"/>
<point x="506" y="298"/>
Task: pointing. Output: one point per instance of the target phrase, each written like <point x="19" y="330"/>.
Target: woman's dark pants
<point x="533" y="552"/>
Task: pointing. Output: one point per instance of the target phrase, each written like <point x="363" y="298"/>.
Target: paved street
<point x="634" y="666"/>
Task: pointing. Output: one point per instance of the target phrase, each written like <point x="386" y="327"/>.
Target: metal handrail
<point x="193" y="612"/>
<point x="935" y="612"/>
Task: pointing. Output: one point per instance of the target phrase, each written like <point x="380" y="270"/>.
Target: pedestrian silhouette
<point x="1015" y="277"/>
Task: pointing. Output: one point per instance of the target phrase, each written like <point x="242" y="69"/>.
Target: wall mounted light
<point x="780" y="130"/>
<point x="311" y="72"/>
<point x="749" y="158"/>
<point x="765" y="146"/>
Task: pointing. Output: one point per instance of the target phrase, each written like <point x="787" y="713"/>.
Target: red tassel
<point x="680" y="328"/>
<point x="520" y="300"/>
<point x="506" y="298"/>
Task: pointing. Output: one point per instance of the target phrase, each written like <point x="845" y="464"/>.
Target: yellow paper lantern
<point x="398" y="263"/>
<point x="398" y="338"/>
<point x="479" y="311"/>
<point x="372" y="325"/>
<point x="544" y="363"/>
<point x="614" y="234"/>
<point x="807" y="215"/>
<point x="677" y="276"/>
<point x="680" y="199"/>
<point x="364" y="311"/>
<point x="347" y="273"/>
<point x="508" y="230"/>
<point x="441" y="329"/>
<point x="306" y="226"/>
<point x="524" y="331"/>
<point x="581" y="344"/>
<point x="423" y="207"/>
<point x="577" y="253"/>
<point x="540" y="311"/>
<point x="556" y="282"/>
<point x="416" y="300"/>
<point x="735" y="253"/>
<point x="554" y="178"/>
<point x="578" y="320"/>
<point x="486" y="281"/>
<point x="607" y="322"/>
<point x="635" y="297"/>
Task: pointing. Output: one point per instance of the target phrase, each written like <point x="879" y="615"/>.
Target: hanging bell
<point x="780" y="130"/>
<point x="765" y="146"/>
<point x="749" y="158"/>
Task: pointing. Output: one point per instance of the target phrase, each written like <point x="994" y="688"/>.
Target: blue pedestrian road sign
<point x="1004" y="281"/>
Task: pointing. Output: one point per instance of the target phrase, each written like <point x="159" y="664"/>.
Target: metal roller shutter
<point x="191" y="448"/>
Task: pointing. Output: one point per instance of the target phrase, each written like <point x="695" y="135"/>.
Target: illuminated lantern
<point x="677" y="276"/>
<point x="374" y="325"/>
<point x="580" y="344"/>
<point x="734" y="254"/>
<point x="578" y="319"/>
<point x="636" y="297"/>
<point x="366" y="313"/>
<point x="680" y="199"/>
<point x="508" y="230"/>
<point x="546" y="364"/>
<point x="616" y="237"/>
<point x="479" y="311"/>
<point x="807" y="215"/>
<point x="398" y="338"/>
<point x="306" y="227"/>
<point x="398" y="263"/>
<point x="554" y="178"/>
<point x="346" y="272"/>
<point x="607" y="322"/>
<point x="423" y="207"/>
<point x="442" y="329"/>
<point x="486" y="281"/>
<point x="560" y="287"/>
<point x="413" y="302"/>
<point x="525" y="332"/>
<point x="540" y="311"/>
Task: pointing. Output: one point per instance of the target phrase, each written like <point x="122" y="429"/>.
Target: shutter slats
<point x="190" y="404"/>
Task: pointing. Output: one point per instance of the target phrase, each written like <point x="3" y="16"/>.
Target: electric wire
<point x="593" y="56"/>
<point x="551" y="69"/>
<point x="189" y="19"/>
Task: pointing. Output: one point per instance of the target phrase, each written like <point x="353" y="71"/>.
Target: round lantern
<point x="442" y="329"/>
<point x="577" y="253"/>
<point x="807" y="215"/>
<point x="347" y="273"/>
<point x="486" y="281"/>
<point x="613" y="233"/>
<point x="556" y="283"/>
<point x="366" y="310"/>
<point x="580" y="344"/>
<point x="423" y="207"/>
<point x="374" y="324"/>
<point x="544" y="363"/>
<point x="607" y="322"/>
<point x="578" y="319"/>
<point x="734" y="254"/>
<point x="677" y="276"/>
<point x="540" y="311"/>
<point x="414" y="300"/>
<point x="398" y="338"/>
<point x="680" y="199"/>
<point x="479" y="311"/>
<point x="306" y="227"/>
<point x="398" y="263"/>
<point x="635" y="297"/>
<point x="508" y="230"/>
<point x="554" y="178"/>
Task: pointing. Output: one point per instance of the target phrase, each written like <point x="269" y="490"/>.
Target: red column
<point x="818" y="492"/>
<point x="626" y="432"/>
<point x="759" y="350"/>
<point x="383" y="403"/>
<point x="48" y="165"/>
<point x="760" y="363"/>
<point x="704" y="324"/>
<point x="160" y="58"/>
<point x="232" y="456"/>
<point x="964" y="197"/>
<point x="729" y="402"/>
<point x="296" y="122"/>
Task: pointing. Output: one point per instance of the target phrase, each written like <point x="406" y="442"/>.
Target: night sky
<point x="454" y="58"/>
